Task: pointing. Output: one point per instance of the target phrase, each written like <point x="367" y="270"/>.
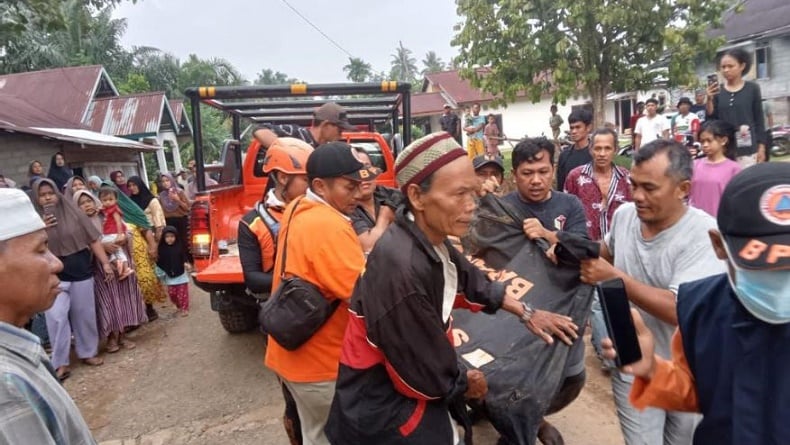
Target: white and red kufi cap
<point x="424" y="156"/>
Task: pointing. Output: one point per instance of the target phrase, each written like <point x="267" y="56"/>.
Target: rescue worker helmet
<point x="287" y="155"/>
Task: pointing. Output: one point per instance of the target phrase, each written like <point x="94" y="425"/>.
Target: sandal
<point x="128" y="344"/>
<point x="93" y="361"/>
<point x="63" y="373"/>
<point x="112" y="347"/>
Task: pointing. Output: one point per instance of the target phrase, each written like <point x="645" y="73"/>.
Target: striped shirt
<point x="34" y="407"/>
<point x="598" y="211"/>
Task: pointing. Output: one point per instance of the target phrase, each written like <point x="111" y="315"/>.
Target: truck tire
<point x="236" y="321"/>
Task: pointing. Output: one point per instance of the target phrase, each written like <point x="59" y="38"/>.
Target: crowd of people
<point x="123" y="250"/>
<point x="702" y="248"/>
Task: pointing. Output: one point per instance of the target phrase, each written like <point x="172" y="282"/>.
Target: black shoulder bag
<point x="296" y="310"/>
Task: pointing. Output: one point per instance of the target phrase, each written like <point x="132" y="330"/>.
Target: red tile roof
<point x="460" y="90"/>
<point x="62" y="92"/>
<point x="135" y="114"/>
<point x="426" y="104"/>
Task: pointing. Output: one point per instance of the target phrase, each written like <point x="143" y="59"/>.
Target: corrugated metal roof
<point x="180" y="113"/>
<point x="62" y="92"/>
<point x="15" y="111"/>
<point x="136" y="114"/>
<point x="758" y="18"/>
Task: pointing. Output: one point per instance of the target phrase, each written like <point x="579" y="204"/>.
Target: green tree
<point x="564" y="47"/>
<point x="83" y="37"/>
<point x="134" y="83"/>
<point x="432" y="63"/>
<point x="196" y="71"/>
<point x="271" y="77"/>
<point x="161" y="70"/>
<point x="357" y="70"/>
<point x="403" y="64"/>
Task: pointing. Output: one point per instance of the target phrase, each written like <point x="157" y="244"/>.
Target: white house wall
<point x="525" y="118"/>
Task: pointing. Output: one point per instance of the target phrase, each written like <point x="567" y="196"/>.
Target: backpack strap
<point x="272" y="224"/>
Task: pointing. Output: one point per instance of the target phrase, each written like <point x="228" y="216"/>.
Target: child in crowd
<point x="171" y="270"/>
<point x="493" y="136"/>
<point x="114" y="230"/>
<point x="714" y="171"/>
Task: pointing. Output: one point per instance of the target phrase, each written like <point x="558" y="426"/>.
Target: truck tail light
<point x="200" y="230"/>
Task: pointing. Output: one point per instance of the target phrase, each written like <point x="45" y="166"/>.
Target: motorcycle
<point x="780" y="140"/>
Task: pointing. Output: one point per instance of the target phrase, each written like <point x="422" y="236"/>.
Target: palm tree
<point x="432" y="63"/>
<point x="404" y="66"/>
<point x="357" y="70"/>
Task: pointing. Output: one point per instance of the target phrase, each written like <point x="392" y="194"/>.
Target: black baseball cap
<point x="684" y="100"/>
<point x="483" y="160"/>
<point x="754" y="217"/>
<point x="334" y="114"/>
<point x="336" y="160"/>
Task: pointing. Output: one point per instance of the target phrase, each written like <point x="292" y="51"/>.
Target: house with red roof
<point x="78" y="111"/>
<point x="519" y="119"/>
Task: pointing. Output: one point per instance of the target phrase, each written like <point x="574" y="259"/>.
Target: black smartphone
<point x="713" y="79"/>
<point x="619" y="324"/>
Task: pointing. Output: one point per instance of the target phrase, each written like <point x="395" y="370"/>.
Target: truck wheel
<point x="238" y="320"/>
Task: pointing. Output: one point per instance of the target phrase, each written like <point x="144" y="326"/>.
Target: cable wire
<point x="332" y="41"/>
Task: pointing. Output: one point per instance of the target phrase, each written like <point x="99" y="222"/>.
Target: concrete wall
<point x="18" y="150"/>
<point x="525" y="118"/>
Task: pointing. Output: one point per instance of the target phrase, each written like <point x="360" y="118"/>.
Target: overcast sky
<point x="258" y="34"/>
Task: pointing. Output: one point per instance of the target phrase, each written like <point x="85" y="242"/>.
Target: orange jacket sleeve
<point x="672" y="387"/>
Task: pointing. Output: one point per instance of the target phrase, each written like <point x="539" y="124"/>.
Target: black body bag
<point x="524" y="374"/>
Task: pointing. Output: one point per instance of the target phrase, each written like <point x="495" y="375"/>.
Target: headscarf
<point x="132" y="213"/>
<point x="74" y="231"/>
<point x="171" y="258"/>
<point x="67" y="191"/>
<point x="96" y="218"/>
<point x="144" y="196"/>
<point x="60" y="175"/>
<point x="123" y="187"/>
<point x="164" y="195"/>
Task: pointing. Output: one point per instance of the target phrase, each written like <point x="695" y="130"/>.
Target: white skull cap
<point x="18" y="215"/>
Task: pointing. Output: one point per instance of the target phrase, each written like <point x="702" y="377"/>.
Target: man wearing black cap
<point x="730" y="355"/>
<point x="685" y="125"/>
<point x="319" y="246"/>
<point x="329" y="121"/>
<point x="491" y="172"/>
<point x="451" y="123"/>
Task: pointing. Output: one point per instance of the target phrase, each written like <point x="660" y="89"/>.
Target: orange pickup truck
<point x="217" y="209"/>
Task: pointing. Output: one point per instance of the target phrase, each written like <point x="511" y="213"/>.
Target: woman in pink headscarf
<point x="117" y="177"/>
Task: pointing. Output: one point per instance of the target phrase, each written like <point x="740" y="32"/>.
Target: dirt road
<point x="188" y="382"/>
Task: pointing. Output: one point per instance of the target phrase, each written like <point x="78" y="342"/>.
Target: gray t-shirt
<point x="679" y="254"/>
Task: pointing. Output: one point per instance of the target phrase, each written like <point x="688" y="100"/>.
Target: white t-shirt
<point x="651" y="128"/>
<point x="679" y="254"/>
<point x="684" y="124"/>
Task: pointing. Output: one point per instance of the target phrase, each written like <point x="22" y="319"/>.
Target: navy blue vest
<point x="740" y="364"/>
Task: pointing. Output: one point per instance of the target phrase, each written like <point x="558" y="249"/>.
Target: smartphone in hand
<point x="713" y="79"/>
<point x="619" y="324"/>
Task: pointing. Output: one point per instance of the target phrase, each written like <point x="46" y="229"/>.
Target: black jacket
<point x="398" y="368"/>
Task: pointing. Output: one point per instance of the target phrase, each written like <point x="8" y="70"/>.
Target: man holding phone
<point x="655" y="244"/>
<point x="730" y="355"/>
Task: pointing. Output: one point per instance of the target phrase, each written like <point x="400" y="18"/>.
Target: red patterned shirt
<point x="581" y="182"/>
